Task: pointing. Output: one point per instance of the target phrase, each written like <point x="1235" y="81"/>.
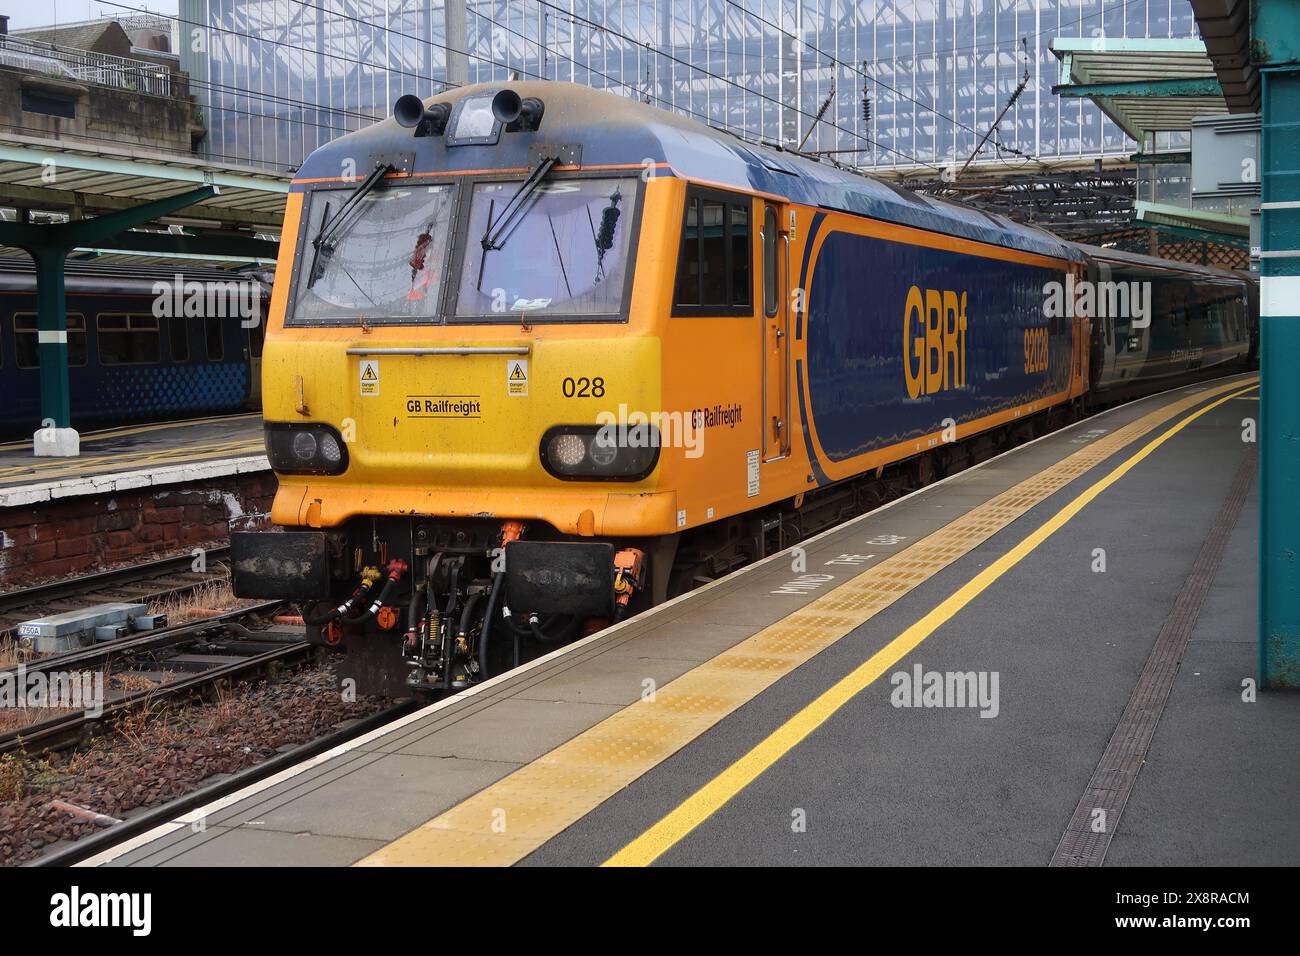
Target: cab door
<point x="775" y="323"/>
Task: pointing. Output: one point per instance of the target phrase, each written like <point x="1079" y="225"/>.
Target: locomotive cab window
<point x="559" y="249"/>
<point x="714" y="261"/>
<point x="741" y="252"/>
<point x="379" y="256"/>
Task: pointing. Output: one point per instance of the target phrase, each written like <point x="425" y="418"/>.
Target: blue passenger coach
<point x="144" y="344"/>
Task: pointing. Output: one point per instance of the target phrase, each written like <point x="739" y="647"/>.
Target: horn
<point x="521" y="114"/>
<point x="506" y="106"/>
<point x="410" y="111"/>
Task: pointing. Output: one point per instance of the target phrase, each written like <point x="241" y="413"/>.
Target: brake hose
<point x="493" y="597"/>
<point x="549" y="634"/>
<point x="358" y="595"/>
<point x="396" y="568"/>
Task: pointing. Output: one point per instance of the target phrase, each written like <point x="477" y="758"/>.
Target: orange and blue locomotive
<point x="539" y="356"/>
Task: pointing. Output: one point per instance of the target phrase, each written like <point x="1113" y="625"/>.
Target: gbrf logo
<point x="934" y="341"/>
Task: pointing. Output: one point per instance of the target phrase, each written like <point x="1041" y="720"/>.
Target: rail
<point x="230" y="650"/>
<point x="145" y="583"/>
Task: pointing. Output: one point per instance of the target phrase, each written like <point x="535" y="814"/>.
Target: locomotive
<point x="539" y="357"/>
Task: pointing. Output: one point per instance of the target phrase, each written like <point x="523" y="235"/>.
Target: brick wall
<point x="70" y="536"/>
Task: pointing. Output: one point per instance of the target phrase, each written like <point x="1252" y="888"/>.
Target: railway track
<point x="145" y="583"/>
<point x="138" y="823"/>
<point x="169" y="662"/>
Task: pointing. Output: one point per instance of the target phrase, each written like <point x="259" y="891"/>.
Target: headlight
<point x="331" y="451"/>
<point x="566" y="452"/>
<point x="304" y="446"/>
<point x="295" y="449"/>
<point x="593" y="453"/>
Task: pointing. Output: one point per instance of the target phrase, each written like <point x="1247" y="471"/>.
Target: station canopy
<point x="52" y="181"/>
<point x="1143" y="85"/>
<point x="1225" y="26"/>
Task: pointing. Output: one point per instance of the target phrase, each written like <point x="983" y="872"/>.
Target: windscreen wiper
<point x="495" y="231"/>
<point x="608" y="227"/>
<point x="331" y="226"/>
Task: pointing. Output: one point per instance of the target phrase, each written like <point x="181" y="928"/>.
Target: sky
<point x="43" y="13"/>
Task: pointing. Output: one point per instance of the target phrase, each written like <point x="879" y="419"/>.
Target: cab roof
<point x="615" y="131"/>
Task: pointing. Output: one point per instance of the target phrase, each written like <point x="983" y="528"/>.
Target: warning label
<point x="751" y="473"/>
<point x="369" y="376"/>
<point x="517" y="377"/>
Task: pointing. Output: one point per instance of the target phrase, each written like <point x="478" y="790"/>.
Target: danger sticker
<point x="370" y="376"/>
<point x="517" y="377"/>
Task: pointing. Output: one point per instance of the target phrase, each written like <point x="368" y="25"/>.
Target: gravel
<point x="155" y="755"/>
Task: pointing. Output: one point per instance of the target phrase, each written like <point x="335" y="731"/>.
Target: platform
<point x="133" y="456"/>
<point x="758" y="720"/>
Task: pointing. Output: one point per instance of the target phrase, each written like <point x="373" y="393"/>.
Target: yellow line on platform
<point x="509" y="819"/>
<point x="710" y="798"/>
<point x="54" y="469"/>
<point x="38" y="468"/>
<point x="125" y="430"/>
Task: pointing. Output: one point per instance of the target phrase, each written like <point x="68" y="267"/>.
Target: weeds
<point x="215" y="595"/>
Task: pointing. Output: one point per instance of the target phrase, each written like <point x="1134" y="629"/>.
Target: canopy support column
<point x="49" y="245"/>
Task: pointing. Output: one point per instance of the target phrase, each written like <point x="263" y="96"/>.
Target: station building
<point x="281" y="78"/>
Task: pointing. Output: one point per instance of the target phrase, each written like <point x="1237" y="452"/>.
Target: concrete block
<point x="56" y="442"/>
<point x="81" y="622"/>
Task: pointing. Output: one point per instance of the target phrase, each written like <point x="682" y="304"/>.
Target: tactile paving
<point x="509" y="819"/>
<point x="1096" y="818"/>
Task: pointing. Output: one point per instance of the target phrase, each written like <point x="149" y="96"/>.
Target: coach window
<point x="713" y="266"/>
<point x="76" y="340"/>
<point x="26" y="342"/>
<point x="180" y="342"/>
<point x="212" y="336"/>
<point x="128" y="339"/>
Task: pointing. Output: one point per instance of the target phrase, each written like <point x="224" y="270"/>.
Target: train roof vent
<point x="776" y="163"/>
<point x="906" y="193"/>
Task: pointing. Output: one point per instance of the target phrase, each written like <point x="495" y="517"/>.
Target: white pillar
<point x="453" y="12"/>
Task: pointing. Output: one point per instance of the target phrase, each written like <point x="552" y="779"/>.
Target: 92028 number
<point x="1036" y="350"/>
<point x="584" y="387"/>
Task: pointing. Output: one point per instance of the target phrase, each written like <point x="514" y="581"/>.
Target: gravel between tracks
<point x="157" y="754"/>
